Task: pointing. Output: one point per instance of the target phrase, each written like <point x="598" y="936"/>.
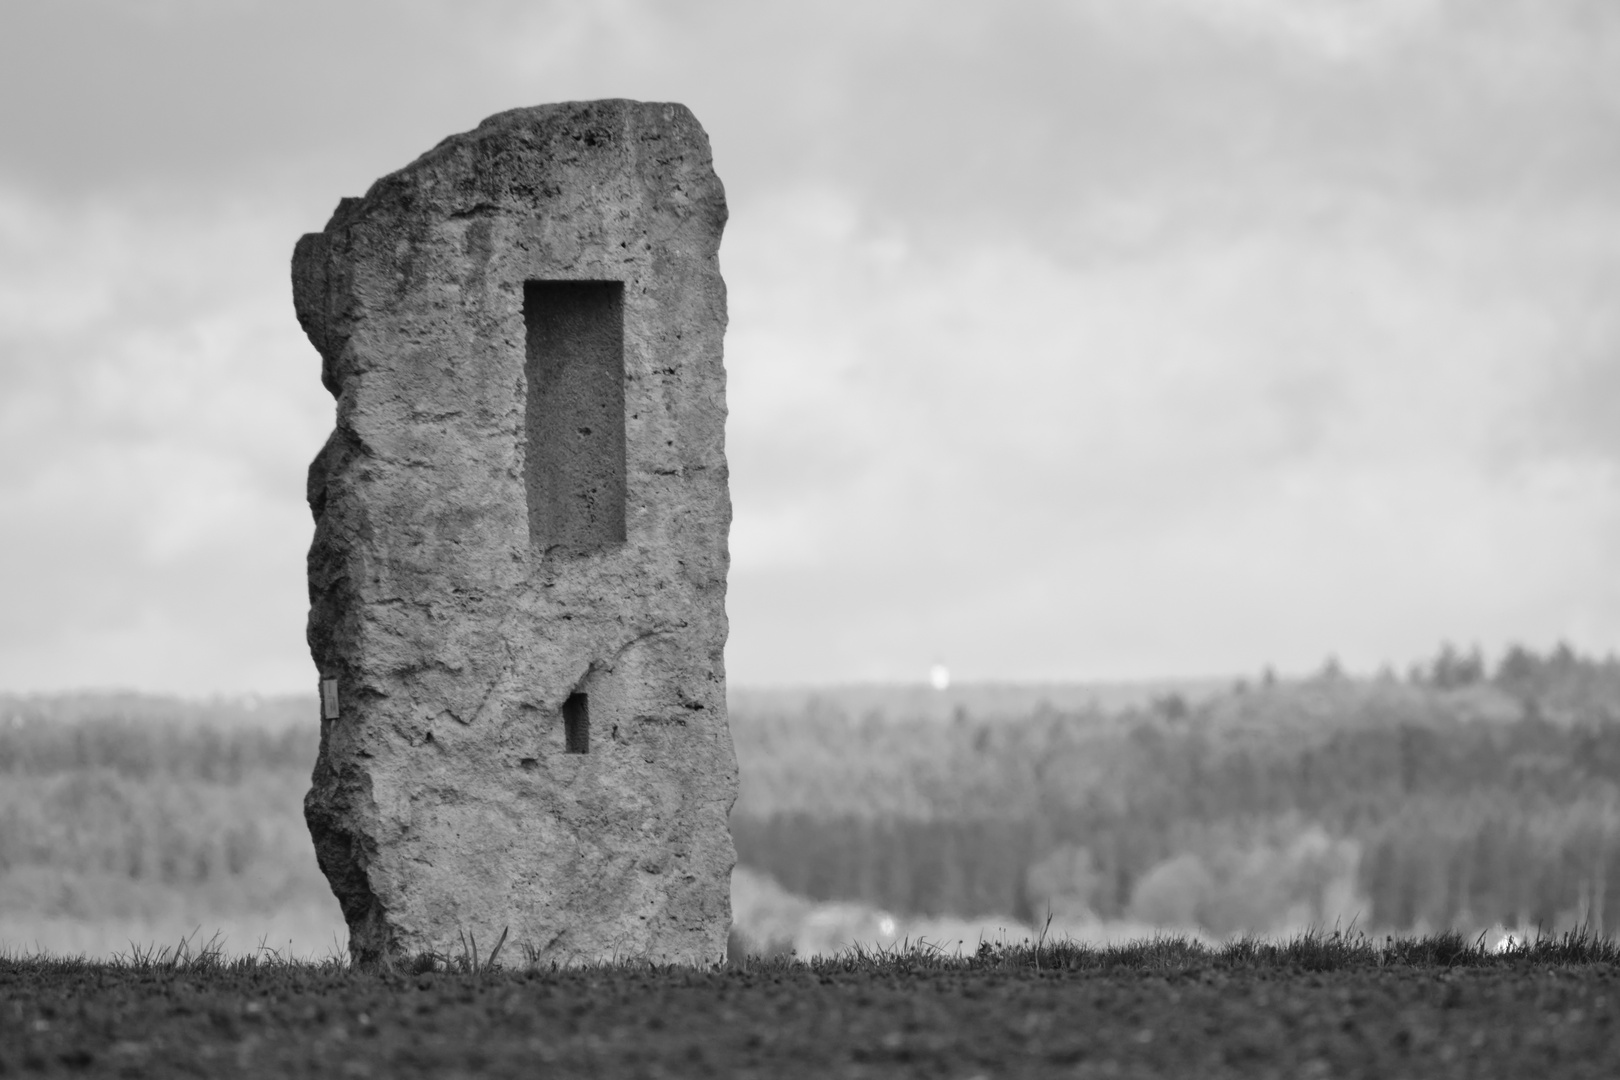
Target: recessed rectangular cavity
<point x="574" y="367"/>
<point x="577" y="724"/>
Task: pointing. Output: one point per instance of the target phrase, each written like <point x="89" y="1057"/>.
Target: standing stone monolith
<point x="517" y="583"/>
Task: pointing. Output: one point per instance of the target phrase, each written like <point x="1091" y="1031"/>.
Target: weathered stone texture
<point x="469" y="574"/>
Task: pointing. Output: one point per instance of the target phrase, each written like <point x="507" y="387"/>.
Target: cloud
<point x="1332" y="29"/>
<point x="1067" y="340"/>
<point x="1287" y="431"/>
<point x="159" y="410"/>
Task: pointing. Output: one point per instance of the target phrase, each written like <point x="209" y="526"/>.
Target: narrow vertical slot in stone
<point x="574" y="469"/>
<point x="577" y="724"/>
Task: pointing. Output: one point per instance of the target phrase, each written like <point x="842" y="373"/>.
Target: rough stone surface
<point x="475" y="567"/>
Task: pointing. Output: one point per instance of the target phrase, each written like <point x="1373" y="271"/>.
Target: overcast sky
<point x="1081" y="340"/>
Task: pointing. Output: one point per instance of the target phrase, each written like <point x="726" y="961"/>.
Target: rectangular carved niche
<point x="574" y="471"/>
<point x="577" y="724"/>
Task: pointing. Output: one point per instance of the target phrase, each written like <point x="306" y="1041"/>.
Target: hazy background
<point x="1068" y="340"/>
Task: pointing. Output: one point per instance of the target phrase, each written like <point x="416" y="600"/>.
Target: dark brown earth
<point x="1194" y="1014"/>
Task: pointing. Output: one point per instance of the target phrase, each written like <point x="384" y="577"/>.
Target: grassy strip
<point x="1308" y="952"/>
<point x="1311" y="951"/>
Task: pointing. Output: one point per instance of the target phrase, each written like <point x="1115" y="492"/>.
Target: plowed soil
<point x="1192" y="1014"/>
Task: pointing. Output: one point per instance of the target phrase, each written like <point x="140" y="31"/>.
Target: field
<point x="985" y="882"/>
<point x="1317" y="1007"/>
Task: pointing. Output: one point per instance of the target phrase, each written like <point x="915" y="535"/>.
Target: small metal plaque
<point x="329" y="699"/>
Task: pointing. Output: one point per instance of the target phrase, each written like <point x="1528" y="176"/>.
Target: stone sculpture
<point x="517" y="582"/>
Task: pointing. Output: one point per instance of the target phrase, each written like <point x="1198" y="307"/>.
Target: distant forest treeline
<point x="1461" y="796"/>
<point x="118" y="806"/>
